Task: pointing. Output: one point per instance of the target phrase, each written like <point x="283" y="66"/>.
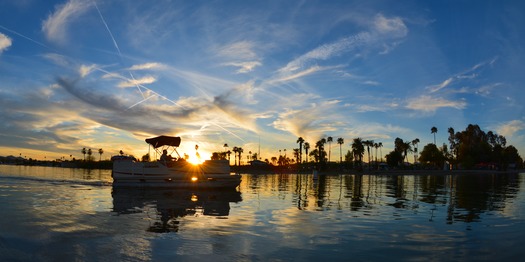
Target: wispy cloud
<point x="244" y="67"/>
<point x="85" y="70"/>
<point x="468" y="74"/>
<point x="299" y="74"/>
<point x="5" y="42"/>
<point x="55" y="26"/>
<point x="430" y="104"/>
<point x="382" y="30"/>
<point x="147" y="66"/>
<point x="393" y="27"/>
<point x="240" y="54"/>
<point x="312" y="121"/>
<point x="243" y="50"/>
<point x="325" y="51"/>
<point x="509" y="129"/>
<point x="137" y="82"/>
<point x="435" y="88"/>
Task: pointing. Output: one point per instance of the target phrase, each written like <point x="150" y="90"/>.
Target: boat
<point x="172" y="172"/>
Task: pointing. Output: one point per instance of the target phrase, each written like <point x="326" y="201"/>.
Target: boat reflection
<point x="171" y="205"/>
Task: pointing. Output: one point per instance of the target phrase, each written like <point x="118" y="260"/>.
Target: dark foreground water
<point x="55" y="214"/>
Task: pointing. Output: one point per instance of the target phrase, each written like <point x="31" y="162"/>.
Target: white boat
<point x="172" y="172"/>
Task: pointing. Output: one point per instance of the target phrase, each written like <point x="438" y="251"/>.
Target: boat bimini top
<point x="160" y="143"/>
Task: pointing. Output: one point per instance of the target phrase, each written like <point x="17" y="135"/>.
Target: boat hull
<point x="129" y="173"/>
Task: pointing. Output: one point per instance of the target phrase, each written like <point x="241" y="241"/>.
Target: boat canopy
<point x="164" y="141"/>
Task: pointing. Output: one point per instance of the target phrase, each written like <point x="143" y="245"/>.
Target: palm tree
<point x="100" y="152"/>
<point x="376" y="145"/>
<point x="454" y="144"/>
<point x="306" y="147"/>
<point x="368" y="144"/>
<point x="226" y="151"/>
<point x="296" y="154"/>
<point x="407" y="147"/>
<point x="358" y="150"/>
<point x="84" y="151"/>
<point x="235" y="150"/>
<point x="434" y="130"/>
<point x="414" y="144"/>
<point x="329" y="141"/>
<point x="240" y="151"/>
<point x="320" y="150"/>
<point x="89" y="152"/>
<point x="340" y="141"/>
<point x="380" y="145"/>
<point x="300" y="141"/>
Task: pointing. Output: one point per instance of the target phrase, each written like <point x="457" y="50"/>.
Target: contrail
<point x="139" y="86"/>
<point x="23" y="36"/>
<point x="140" y="102"/>
<point x="107" y="28"/>
<point x="116" y="45"/>
<point x="228" y="131"/>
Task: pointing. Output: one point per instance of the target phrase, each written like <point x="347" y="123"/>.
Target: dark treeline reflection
<point x="464" y="197"/>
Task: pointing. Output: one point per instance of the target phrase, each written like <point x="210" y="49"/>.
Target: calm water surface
<point x="51" y="214"/>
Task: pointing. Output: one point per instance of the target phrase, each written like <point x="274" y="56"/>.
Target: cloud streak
<point x="382" y="30"/>
<point x="137" y="82"/>
<point x="430" y="104"/>
<point x="55" y="26"/>
<point x="469" y="74"/>
<point x="509" y="129"/>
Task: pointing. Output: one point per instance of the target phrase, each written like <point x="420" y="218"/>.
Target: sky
<point x="255" y="74"/>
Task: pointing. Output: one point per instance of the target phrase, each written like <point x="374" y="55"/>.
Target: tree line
<point x="472" y="148"/>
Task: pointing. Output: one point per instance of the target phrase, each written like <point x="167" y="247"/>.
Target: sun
<point x="194" y="159"/>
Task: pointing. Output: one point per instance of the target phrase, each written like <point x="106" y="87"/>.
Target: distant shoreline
<point x="263" y="171"/>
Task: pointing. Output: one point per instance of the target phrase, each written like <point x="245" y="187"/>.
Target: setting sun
<point x="195" y="160"/>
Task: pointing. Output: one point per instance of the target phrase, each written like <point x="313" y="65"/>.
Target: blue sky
<point x="108" y="74"/>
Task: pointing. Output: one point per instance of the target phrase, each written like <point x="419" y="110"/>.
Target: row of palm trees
<point x="358" y="147"/>
<point x="89" y="152"/>
<point x="357" y="150"/>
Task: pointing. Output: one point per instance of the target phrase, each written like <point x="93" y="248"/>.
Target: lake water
<point x="60" y="214"/>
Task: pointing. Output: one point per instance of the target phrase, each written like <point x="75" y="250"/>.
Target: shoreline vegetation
<point x="470" y="151"/>
<point x="309" y="168"/>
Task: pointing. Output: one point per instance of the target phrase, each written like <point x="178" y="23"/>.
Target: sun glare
<point x="195" y="160"/>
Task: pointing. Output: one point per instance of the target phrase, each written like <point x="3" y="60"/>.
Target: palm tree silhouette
<point x="414" y="144"/>
<point x="407" y="147"/>
<point x="226" y="151"/>
<point x="306" y="147"/>
<point x="100" y="152"/>
<point x="368" y="144"/>
<point x="434" y="130"/>
<point x="380" y="145"/>
<point x="300" y="141"/>
<point x="329" y="141"/>
<point x="375" y="146"/>
<point x="240" y="151"/>
<point x="320" y="150"/>
<point x="358" y="150"/>
<point x="84" y="151"/>
<point x="340" y="141"/>
<point x="235" y="150"/>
